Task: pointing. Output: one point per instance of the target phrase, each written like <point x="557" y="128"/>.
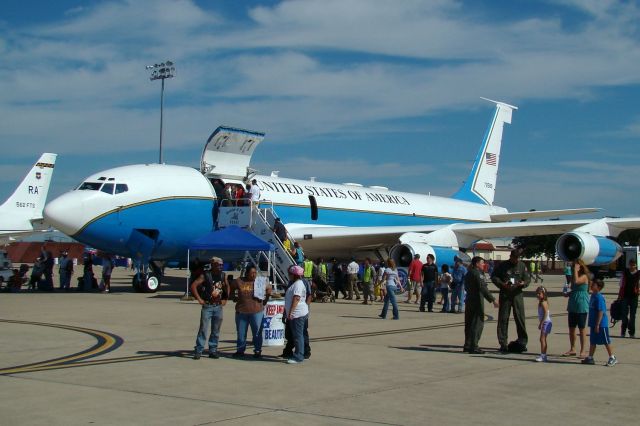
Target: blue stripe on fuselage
<point x="179" y="220"/>
<point x="354" y="218"/>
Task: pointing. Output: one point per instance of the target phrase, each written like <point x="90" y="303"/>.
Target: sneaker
<point x="214" y="355"/>
<point x="238" y="354"/>
<point x="588" y="361"/>
<point x="541" y="358"/>
<point x="197" y="355"/>
<point x="257" y="354"/>
<point x="612" y="361"/>
<point x="292" y="361"/>
<point x="503" y="350"/>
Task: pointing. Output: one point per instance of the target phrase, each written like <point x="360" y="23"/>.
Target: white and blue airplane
<point x="21" y="213"/>
<point x="153" y="211"/>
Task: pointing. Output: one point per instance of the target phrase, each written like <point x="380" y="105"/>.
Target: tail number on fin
<point x="22" y="205"/>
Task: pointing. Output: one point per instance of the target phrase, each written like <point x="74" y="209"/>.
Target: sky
<point x="379" y="92"/>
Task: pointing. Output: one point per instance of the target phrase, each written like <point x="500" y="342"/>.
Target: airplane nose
<point x="62" y="213"/>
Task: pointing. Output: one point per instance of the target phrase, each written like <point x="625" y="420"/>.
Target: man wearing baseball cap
<point x="212" y="291"/>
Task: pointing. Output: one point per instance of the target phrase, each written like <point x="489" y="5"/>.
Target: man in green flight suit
<point x="511" y="277"/>
<point x="477" y="291"/>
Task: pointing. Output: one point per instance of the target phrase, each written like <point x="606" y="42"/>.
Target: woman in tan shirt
<point x="249" y="311"/>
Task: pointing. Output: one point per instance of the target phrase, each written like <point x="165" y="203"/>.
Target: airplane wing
<point x="537" y="214"/>
<point x="466" y="233"/>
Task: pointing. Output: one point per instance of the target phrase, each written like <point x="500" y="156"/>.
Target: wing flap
<point x="506" y="217"/>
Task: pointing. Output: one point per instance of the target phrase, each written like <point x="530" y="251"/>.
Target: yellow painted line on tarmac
<point x="106" y="342"/>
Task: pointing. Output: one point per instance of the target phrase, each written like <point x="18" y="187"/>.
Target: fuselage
<point x="357" y="205"/>
<point x="174" y="205"/>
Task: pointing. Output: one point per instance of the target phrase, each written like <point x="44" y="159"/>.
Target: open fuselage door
<point x="228" y="152"/>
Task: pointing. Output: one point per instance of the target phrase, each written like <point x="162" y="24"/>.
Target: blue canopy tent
<point x="233" y="242"/>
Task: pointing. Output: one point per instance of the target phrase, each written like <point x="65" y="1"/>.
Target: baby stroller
<point x="322" y="291"/>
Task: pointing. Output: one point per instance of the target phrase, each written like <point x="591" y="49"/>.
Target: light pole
<point x="161" y="71"/>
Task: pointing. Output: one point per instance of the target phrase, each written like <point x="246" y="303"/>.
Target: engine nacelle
<point x="593" y="250"/>
<point x="403" y="254"/>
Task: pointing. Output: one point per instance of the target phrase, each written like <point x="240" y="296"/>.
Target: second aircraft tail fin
<point x="28" y="200"/>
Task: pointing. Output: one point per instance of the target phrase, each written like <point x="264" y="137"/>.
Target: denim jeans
<point x="457" y="297"/>
<point x="209" y="314"/>
<point x="297" y="330"/>
<point x="390" y="296"/>
<point x="427" y="295"/>
<point x="444" y="291"/>
<point x="65" y="280"/>
<point x="243" y="321"/>
<point x="288" y="335"/>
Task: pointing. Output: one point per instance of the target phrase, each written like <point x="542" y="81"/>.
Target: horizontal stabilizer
<point x="508" y="217"/>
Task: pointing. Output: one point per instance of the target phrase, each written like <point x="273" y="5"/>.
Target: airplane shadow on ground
<point x="189" y="354"/>
<point x="376" y="317"/>
<point x="490" y="354"/>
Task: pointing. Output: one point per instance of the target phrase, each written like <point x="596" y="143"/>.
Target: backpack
<point x="516" y="347"/>
<point x="616" y="312"/>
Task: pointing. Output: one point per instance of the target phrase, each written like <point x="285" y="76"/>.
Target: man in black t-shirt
<point x="429" y="282"/>
<point x="211" y="290"/>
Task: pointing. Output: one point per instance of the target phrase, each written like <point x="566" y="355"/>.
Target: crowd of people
<point x="42" y="274"/>
<point x="381" y="282"/>
<point x="462" y="289"/>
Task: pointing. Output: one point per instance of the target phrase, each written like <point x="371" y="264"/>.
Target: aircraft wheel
<point x="150" y="284"/>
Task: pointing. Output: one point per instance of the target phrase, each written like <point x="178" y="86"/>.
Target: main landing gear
<point x="147" y="280"/>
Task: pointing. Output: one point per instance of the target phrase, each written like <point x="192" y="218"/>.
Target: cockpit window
<point x="107" y="188"/>
<point x="90" y="186"/>
<point x="121" y="187"/>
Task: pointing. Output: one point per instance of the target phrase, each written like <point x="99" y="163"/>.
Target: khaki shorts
<point x="414" y="287"/>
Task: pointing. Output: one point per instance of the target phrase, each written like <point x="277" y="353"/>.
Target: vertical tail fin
<point x="27" y="201"/>
<point x="480" y="186"/>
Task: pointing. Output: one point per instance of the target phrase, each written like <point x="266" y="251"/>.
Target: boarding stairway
<point x="259" y="221"/>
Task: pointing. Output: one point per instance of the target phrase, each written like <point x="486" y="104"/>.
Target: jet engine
<point x="402" y="254"/>
<point x="593" y="250"/>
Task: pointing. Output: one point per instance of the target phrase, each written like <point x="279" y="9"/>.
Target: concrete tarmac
<point x="125" y="358"/>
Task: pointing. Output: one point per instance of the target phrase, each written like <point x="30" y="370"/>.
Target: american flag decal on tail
<point x="490" y="159"/>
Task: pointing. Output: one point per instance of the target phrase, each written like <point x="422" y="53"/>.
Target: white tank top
<point x="541" y="313"/>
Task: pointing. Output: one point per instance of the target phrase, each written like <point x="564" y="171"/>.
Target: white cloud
<point x="93" y="61"/>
